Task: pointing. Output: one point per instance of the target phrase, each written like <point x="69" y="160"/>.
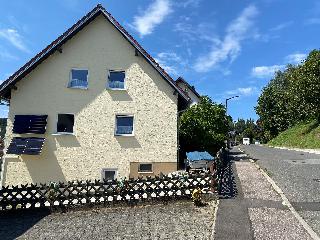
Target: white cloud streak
<point x="230" y="47"/>
<point x="170" y="61"/>
<point x="151" y="17"/>
<point x="246" y="91"/>
<point x="296" y="58"/>
<point x="269" y="71"/>
<point x="266" y="71"/>
<point x="14" y="38"/>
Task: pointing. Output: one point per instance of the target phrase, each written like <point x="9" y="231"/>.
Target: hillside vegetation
<point x="291" y="97"/>
<point x="305" y="135"/>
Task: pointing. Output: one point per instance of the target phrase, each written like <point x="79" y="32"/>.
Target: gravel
<point x="269" y="223"/>
<point x="179" y="220"/>
<point x="254" y="184"/>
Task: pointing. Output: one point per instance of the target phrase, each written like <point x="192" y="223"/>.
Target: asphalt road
<point x="297" y="174"/>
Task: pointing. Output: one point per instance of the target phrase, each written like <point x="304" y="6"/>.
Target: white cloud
<point x="246" y="91"/>
<point x="296" y="58"/>
<point x="266" y="71"/>
<point x="312" y="21"/>
<point x="14" y="38"/>
<point x="152" y="16"/>
<point x="269" y="71"/>
<point x="5" y="55"/>
<point x="230" y="47"/>
<point x="282" y="26"/>
<point x="170" y="62"/>
<point x="188" y="3"/>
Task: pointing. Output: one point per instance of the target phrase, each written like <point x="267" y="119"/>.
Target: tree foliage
<point x="247" y="129"/>
<point x="203" y="127"/>
<point x="292" y="96"/>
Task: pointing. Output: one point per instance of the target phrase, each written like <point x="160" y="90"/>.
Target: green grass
<point x="305" y="135"/>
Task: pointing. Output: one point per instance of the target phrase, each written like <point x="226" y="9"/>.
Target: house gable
<point x="56" y="45"/>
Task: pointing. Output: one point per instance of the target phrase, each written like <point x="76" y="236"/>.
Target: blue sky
<point x="223" y="48"/>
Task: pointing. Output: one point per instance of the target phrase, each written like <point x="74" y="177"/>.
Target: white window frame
<point x="116" y="125"/>
<point x="145" y="163"/>
<point x="70" y="79"/>
<point x="109" y="169"/>
<point x="65" y="133"/>
<point x="124" y="83"/>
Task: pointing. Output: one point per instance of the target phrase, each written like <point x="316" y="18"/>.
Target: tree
<point x="203" y="127"/>
<point x="292" y="96"/>
<point x="247" y="129"/>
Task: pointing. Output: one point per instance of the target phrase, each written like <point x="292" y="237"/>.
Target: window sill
<point x="116" y="89"/>
<point x="124" y="135"/>
<point x="62" y="133"/>
<point x="82" y="88"/>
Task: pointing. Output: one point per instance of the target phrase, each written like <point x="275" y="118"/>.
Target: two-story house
<point x="92" y="105"/>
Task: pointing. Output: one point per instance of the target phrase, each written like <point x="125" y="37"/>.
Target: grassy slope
<point x="300" y="136"/>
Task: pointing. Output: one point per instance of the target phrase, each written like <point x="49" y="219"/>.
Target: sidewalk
<point x="256" y="211"/>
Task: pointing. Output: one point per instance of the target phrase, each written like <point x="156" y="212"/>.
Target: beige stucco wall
<point x="148" y="97"/>
<point x="157" y="168"/>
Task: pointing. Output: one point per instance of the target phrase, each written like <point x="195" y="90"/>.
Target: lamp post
<point x="228" y="100"/>
<point x="227" y="119"/>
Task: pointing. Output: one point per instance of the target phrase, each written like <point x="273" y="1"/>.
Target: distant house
<point x="189" y="90"/>
<point x="92" y="105"/>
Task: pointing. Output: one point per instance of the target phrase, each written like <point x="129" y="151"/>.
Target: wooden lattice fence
<point x="82" y="193"/>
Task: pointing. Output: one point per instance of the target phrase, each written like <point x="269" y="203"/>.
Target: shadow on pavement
<point x="228" y="186"/>
<point x="14" y="224"/>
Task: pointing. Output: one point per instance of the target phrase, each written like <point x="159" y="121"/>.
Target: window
<point x="78" y="79"/>
<point x="124" y="125"/>
<point x="109" y="174"/>
<point x="116" y="79"/>
<point x="145" y="167"/>
<point x="65" y="123"/>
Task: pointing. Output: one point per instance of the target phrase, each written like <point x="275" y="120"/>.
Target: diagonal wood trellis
<point x="96" y="192"/>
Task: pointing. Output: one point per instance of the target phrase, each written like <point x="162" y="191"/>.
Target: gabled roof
<point x="8" y="84"/>
<point x="180" y="79"/>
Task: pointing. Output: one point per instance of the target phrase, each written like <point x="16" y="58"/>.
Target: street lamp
<point x="227" y="102"/>
<point x="226" y="117"/>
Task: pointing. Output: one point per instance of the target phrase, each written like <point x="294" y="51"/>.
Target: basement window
<point x="109" y="174"/>
<point x="145" y="168"/>
<point x="65" y="123"/>
<point x="78" y="78"/>
<point x="116" y="80"/>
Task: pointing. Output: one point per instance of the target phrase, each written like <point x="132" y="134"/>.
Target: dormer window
<point x="116" y="80"/>
<point x="78" y="78"/>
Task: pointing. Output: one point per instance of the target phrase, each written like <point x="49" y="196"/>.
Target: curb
<point x="214" y="220"/>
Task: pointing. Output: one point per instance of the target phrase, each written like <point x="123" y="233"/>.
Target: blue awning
<point x="196" y="156"/>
